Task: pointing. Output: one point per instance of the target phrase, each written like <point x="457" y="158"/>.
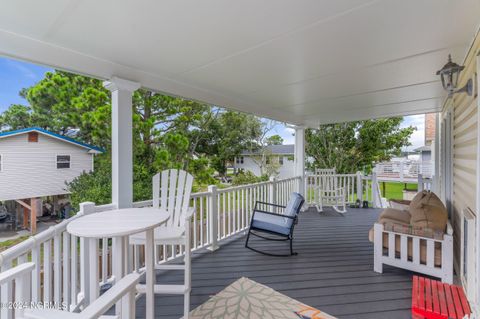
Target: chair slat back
<point x="327" y="179"/>
<point x="171" y="191"/>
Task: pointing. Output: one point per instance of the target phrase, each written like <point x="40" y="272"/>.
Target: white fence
<point x="403" y="171"/>
<point x="362" y="187"/>
<point x="356" y="186"/>
<point x="61" y="272"/>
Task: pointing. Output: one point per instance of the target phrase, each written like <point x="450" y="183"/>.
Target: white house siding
<point x="285" y="171"/>
<point x="465" y="157"/>
<point x="29" y="168"/>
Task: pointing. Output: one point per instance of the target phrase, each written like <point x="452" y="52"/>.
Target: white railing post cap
<point x="87" y="208"/>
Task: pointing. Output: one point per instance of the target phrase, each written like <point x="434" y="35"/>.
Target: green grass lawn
<point x="393" y="190"/>
<point x="9" y="243"/>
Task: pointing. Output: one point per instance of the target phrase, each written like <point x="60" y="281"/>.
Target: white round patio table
<point x="119" y="224"/>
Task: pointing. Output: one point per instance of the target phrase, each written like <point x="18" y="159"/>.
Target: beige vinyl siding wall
<point x="465" y="158"/>
<point x="29" y="168"/>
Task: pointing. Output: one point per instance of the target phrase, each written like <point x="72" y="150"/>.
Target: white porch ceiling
<point x="299" y="61"/>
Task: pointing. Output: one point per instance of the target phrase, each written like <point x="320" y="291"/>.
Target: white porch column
<point x="122" y="155"/>
<point x="300" y="157"/>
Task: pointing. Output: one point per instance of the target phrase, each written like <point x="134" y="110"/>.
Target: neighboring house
<point x="36" y="163"/>
<point x="425" y="153"/>
<point x="278" y="155"/>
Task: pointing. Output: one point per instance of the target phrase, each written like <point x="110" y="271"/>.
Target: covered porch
<point x="304" y="63"/>
<point x="332" y="271"/>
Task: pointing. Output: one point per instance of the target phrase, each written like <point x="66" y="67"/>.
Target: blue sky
<point x="15" y="75"/>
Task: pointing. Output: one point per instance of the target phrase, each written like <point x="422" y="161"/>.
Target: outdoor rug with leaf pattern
<point x="246" y="298"/>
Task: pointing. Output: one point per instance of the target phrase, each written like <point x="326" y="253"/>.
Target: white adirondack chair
<point x="124" y="290"/>
<point x="328" y="192"/>
<point x="171" y="191"/>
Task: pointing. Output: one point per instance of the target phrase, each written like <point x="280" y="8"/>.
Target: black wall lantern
<point x="449" y="75"/>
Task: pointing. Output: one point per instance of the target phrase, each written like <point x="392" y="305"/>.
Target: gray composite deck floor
<point x="333" y="270"/>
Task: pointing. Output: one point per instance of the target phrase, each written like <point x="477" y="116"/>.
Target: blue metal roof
<point x="55" y="135"/>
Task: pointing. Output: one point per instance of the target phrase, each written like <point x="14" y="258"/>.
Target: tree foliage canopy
<point x="168" y="132"/>
<point x="171" y="132"/>
<point x="354" y="146"/>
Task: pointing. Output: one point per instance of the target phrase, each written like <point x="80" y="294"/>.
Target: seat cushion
<point x="391" y="214"/>
<point x="271" y="223"/>
<point x="415" y="202"/>
<point x="293" y="205"/>
<point x="385" y="221"/>
<point x="400" y="204"/>
<point x="427" y="210"/>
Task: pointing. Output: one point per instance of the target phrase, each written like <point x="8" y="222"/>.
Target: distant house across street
<point x="36" y="164"/>
<point x="282" y="155"/>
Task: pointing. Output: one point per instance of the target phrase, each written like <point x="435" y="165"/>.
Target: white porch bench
<point x="412" y="261"/>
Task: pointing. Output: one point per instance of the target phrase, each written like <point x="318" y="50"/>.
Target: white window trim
<point x="468" y="218"/>
<point x="56" y="160"/>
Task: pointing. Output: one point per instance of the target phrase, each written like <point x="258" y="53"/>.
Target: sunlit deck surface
<point x="333" y="270"/>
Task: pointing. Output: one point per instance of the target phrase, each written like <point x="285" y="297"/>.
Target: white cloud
<point x="417" y="139"/>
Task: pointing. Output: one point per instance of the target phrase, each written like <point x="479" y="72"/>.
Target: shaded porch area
<point x="333" y="270"/>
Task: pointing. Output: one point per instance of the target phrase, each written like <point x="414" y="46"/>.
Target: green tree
<point x="168" y="132"/>
<point x="262" y="154"/>
<point x="228" y="135"/>
<point x="274" y="140"/>
<point x="248" y="177"/>
<point x="356" y="145"/>
<point x="16" y="117"/>
<point x="70" y="104"/>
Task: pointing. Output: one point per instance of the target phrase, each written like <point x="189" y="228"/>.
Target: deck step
<point x="165" y="289"/>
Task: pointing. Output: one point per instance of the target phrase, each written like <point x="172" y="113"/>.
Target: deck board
<point x="333" y="270"/>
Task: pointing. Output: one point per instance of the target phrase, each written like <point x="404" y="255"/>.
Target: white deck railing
<point x="403" y="171"/>
<point x="60" y="276"/>
<point x="356" y="186"/>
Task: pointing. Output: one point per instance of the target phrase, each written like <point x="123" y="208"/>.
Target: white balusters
<point x="74" y="269"/>
<point x="66" y="269"/>
<point x="6" y="293"/>
<point x="57" y="268"/>
<point x="47" y="271"/>
<point x="73" y="272"/>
